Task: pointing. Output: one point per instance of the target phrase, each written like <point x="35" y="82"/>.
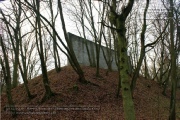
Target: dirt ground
<point x="76" y="101"/>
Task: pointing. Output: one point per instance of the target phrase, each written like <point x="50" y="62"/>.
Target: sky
<point x="155" y="5"/>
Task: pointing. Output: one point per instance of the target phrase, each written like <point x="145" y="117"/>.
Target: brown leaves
<point x="149" y="102"/>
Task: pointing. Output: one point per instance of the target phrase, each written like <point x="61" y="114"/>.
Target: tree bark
<point x="71" y="51"/>
<point x="118" y="20"/>
<point x="7" y="77"/>
<point x="142" y="53"/>
<point x="172" y="115"/>
<point x="48" y="92"/>
<point x="57" y="62"/>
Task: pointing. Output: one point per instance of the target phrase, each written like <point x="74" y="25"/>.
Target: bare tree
<point x="7" y="77"/>
<point x="16" y="37"/>
<point x="145" y="46"/>
<point x="118" y="20"/>
<point x="172" y="115"/>
<point x="39" y="43"/>
<point x="55" y="49"/>
<point x="142" y="53"/>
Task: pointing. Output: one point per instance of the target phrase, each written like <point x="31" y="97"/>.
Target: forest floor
<point x="76" y="101"/>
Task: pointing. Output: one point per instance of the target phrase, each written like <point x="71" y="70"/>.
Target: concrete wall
<point x="79" y="47"/>
<point x="82" y="56"/>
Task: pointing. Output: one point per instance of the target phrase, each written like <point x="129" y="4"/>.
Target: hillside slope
<point x="76" y="101"/>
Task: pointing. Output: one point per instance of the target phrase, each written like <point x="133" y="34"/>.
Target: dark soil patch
<point x="76" y="101"/>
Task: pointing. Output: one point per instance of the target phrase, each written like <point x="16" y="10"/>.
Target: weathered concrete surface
<point x="79" y="47"/>
<point x="81" y="53"/>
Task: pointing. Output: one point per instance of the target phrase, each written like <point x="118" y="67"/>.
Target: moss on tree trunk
<point x="118" y="20"/>
<point x="128" y="105"/>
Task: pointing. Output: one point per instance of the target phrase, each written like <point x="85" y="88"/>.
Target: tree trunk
<point x="81" y="2"/>
<point x="118" y="20"/>
<point x="24" y="76"/>
<point x="97" y="40"/>
<point x="146" y="73"/>
<point x="165" y="83"/>
<point x="15" y="72"/>
<point x="124" y="74"/>
<point x="55" y="50"/>
<point x="16" y="49"/>
<point x="48" y="92"/>
<point x="73" y="58"/>
<point x="142" y="53"/>
<point x="172" y="115"/>
<point x="7" y="77"/>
